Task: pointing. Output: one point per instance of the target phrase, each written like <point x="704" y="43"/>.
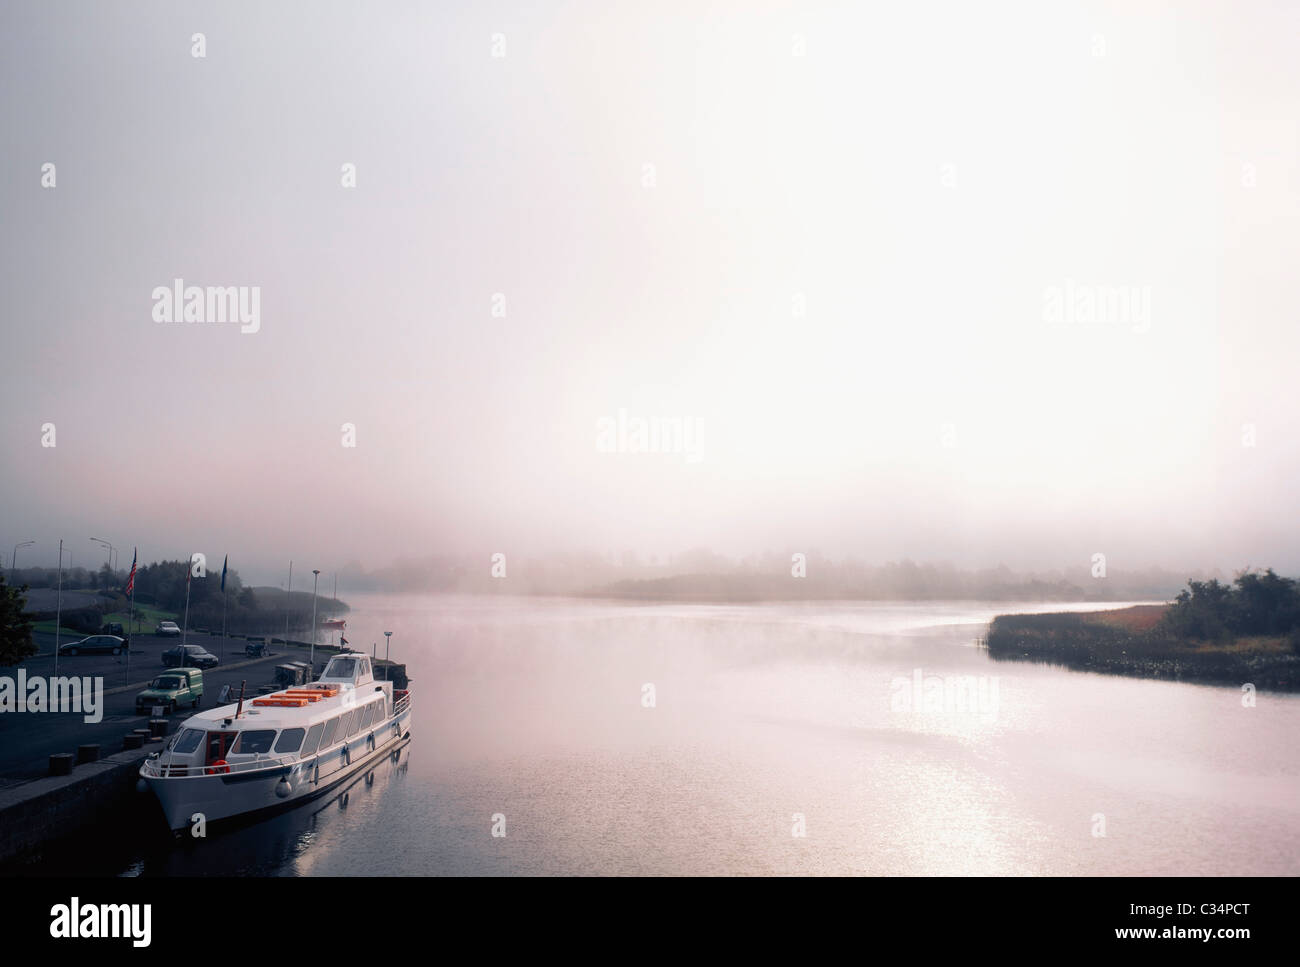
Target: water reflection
<point x="771" y="720"/>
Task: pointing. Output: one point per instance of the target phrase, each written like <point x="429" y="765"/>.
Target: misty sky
<point x="826" y="238"/>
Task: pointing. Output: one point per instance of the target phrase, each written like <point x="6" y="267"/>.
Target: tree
<point x="1266" y="603"/>
<point x="15" y="626"/>
<point x="1254" y="604"/>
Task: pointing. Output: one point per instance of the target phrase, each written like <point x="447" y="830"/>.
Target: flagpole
<point x="186" y="631"/>
<point x="287" y="591"/>
<point x="58" y="612"/>
<point x="130" y="617"/>
<point x="223" y="606"/>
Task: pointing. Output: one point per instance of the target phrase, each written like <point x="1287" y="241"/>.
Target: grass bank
<point x="1135" y="642"/>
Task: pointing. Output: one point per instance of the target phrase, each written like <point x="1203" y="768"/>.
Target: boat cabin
<point x="352" y="670"/>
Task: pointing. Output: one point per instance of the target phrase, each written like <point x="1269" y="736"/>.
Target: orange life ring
<point x="218" y="767"/>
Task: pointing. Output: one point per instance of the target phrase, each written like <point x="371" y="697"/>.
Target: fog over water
<point x="764" y="717"/>
<point x="906" y="283"/>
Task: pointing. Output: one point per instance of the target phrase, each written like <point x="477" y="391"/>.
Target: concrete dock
<point x="47" y="810"/>
<point x="38" y="809"/>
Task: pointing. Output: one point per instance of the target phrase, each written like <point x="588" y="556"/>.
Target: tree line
<point x="1254" y="604"/>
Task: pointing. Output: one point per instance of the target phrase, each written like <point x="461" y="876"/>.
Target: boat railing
<point x="402" y="703"/>
<point x="156" y="768"/>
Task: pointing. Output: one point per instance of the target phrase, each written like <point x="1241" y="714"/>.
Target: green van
<point x="170" y="689"/>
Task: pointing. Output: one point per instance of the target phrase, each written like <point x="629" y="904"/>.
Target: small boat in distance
<point x="281" y="749"/>
<point x="333" y="623"/>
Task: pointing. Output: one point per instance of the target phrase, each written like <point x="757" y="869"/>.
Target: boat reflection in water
<point x="281" y="844"/>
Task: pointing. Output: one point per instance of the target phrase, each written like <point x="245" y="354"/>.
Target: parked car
<point x="114" y="628"/>
<point x="167" y="629"/>
<point x="96" y="645"/>
<point x="172" y="689"/>
<point x="189" y="656"/>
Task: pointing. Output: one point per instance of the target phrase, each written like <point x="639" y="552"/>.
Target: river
<point x="823" y="738"/>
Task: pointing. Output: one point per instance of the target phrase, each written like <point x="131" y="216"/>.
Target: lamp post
<point x="288" y="595"/>
<point x="315" y="576"/>
<point x="388" y="640"/>
<point x="58" y="608"/>
<point x="14" y="562"/>
<point x="185" y="628"/>
<point x="111" y="549"/>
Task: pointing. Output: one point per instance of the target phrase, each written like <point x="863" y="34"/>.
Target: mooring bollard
<point x="87" y="753"/>
<point x="61" y="764"/>
<point x="157" y="728"/>
<point x="132" y="741"/>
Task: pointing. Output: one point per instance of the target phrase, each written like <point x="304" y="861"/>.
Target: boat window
<point x="341" y="668"/>
<point x="187" y="741"/>
<point x="253" y="741"/>
<point x="313" y="738"/>
<point x="349" y="726"/>
<point x="327" y="739"/>
<point x="381" y="710"/>
<point x="367" y="714"/>
<point x="355" y="723"/>
<point x="290" y="740"/>
<point x="365" y="666"/>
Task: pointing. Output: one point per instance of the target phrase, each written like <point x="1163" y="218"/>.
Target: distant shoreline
<point x="758" y="589"/>
<point x="1124" y="642"/>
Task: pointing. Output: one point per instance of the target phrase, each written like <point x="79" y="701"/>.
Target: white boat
<point x="281" y="749"/>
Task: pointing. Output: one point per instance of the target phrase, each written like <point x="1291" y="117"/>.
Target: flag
<point x="223" y="573"/>
<point x="342" y="640"/>
<point x="130" y="581"/>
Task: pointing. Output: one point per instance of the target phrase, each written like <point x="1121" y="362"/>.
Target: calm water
<point x="851" y="715"/>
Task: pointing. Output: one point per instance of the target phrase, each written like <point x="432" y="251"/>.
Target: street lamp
<point x="14" y="563"/>
<point x="100" y="540"/>
<point x="58" y="608"/>
<point x="315" y="575"/>
<point x="388" y="640"/>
